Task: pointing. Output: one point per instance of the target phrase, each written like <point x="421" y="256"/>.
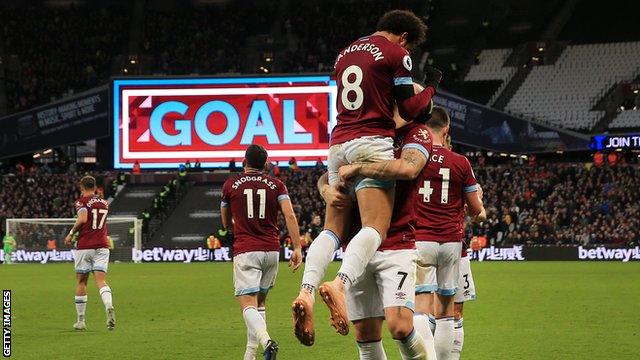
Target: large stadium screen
<point x="162" y="123"/>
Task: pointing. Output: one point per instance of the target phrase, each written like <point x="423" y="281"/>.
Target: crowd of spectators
<point x="573" y="204"/>
<point x="52" y="52"/>
<point x="204" y="40"/>
<point x="560" y="204"/>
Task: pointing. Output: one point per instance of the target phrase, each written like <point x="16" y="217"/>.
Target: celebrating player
<point x="386" y="291"/>
<point x="370" y="73"/>
<point x="250" y="203"/>
<point x="427" y="285"/>
<point x="92" y="250"/>
<point x="448" y="183"/>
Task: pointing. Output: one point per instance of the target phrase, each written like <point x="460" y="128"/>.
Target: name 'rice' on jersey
<point x="254" y="199"/>
<point x="366" y="72"/>
<point x="440" y="197"/>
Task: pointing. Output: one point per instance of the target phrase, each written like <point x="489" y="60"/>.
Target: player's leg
<point x="448" y="271"/>
<point x="369" y="338"/>
<point x="319" y="255"/>
<point x="375" y="202"/>
<point x="395" y="273"/>
<point x="81" y="300"/>
<point x="82" y="267"/>
<point x="426" y="285"/>
<point x="458" y="330"/>
<point x="100" y="267"/>
<point x="366" y="312"/>
<point x="252" y="340"/>
<point x="247" y="275"/>
<point x="466" y="292"/>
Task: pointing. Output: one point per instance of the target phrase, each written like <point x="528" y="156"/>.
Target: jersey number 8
<point x="354" y="86"/>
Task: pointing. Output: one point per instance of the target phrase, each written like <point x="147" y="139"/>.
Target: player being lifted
<point x="373" y="73"/>
<point x="250" y="204"/>
<point x="92" y="250"/>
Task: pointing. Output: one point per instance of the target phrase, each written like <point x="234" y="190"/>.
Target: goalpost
<point x="42" y="240"/>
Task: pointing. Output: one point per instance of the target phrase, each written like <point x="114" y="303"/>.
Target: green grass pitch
<point x="532" y="310"/>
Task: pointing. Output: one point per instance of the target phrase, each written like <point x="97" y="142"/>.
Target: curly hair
<point x="398" y="22"/>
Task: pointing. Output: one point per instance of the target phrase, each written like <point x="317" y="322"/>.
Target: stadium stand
<point x="564" y="93"/>
<point x="133" y="199"/>
<point x="196" y="216"/>
<point x="490" y="66"/>
<point x="68" y="52"/>
<point x="216" y="33"/>
<point x="626" y="119"/>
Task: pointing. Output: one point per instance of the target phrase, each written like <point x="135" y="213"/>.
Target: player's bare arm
<point x="475" y="207"/>
<point x="227" y="220"/>
<point x="408" y="167"/>
<point x="482" y="216"/>
<point x="80" y="220"/>
<point x="294" y="233"/>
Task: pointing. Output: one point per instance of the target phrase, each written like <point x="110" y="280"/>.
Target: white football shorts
<point x="388" y="281"/>
<point x="445" y="257"/>
<point x="254" y="272"/>
<point x="88" y="260"/>
<point x="366" y="149"/>
<point x="466" y="286"/>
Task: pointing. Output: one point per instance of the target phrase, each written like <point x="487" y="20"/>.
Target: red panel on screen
<point x="171" y="123"/>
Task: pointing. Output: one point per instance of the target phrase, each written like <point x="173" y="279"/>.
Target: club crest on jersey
<point x="406" y="62"/>
<point x="422" y="136"/>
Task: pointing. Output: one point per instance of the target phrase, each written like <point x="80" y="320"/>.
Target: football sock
<point x="256" y="325"/>
<point x="252" y="341"/>
<point x="421" y="324"/>
<point x="318" y="258"/>
<point x="432" y="323"/>
<point x="371" y="350"/>
<point x="443" y="338"/>
<point x="105" y="294"/>
<point x="358" y="254"/>
<point x="81" y="306"/>
<point x="412" y="347"/>
<point x="458" y="339"/>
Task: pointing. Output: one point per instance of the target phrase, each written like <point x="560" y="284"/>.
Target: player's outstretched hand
<point x="296" y="259"/>
<point x="336" y="196"/>
<point x="67" y="240"/>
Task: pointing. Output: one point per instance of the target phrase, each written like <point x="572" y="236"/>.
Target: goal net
<point x="42" y="240"/>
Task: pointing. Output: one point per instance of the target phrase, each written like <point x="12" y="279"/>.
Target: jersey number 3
<point x="95" y="224"/>
<point x="426" y="190"/>
<point x="262" y="194"/>
<point x="352" y="87"/>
